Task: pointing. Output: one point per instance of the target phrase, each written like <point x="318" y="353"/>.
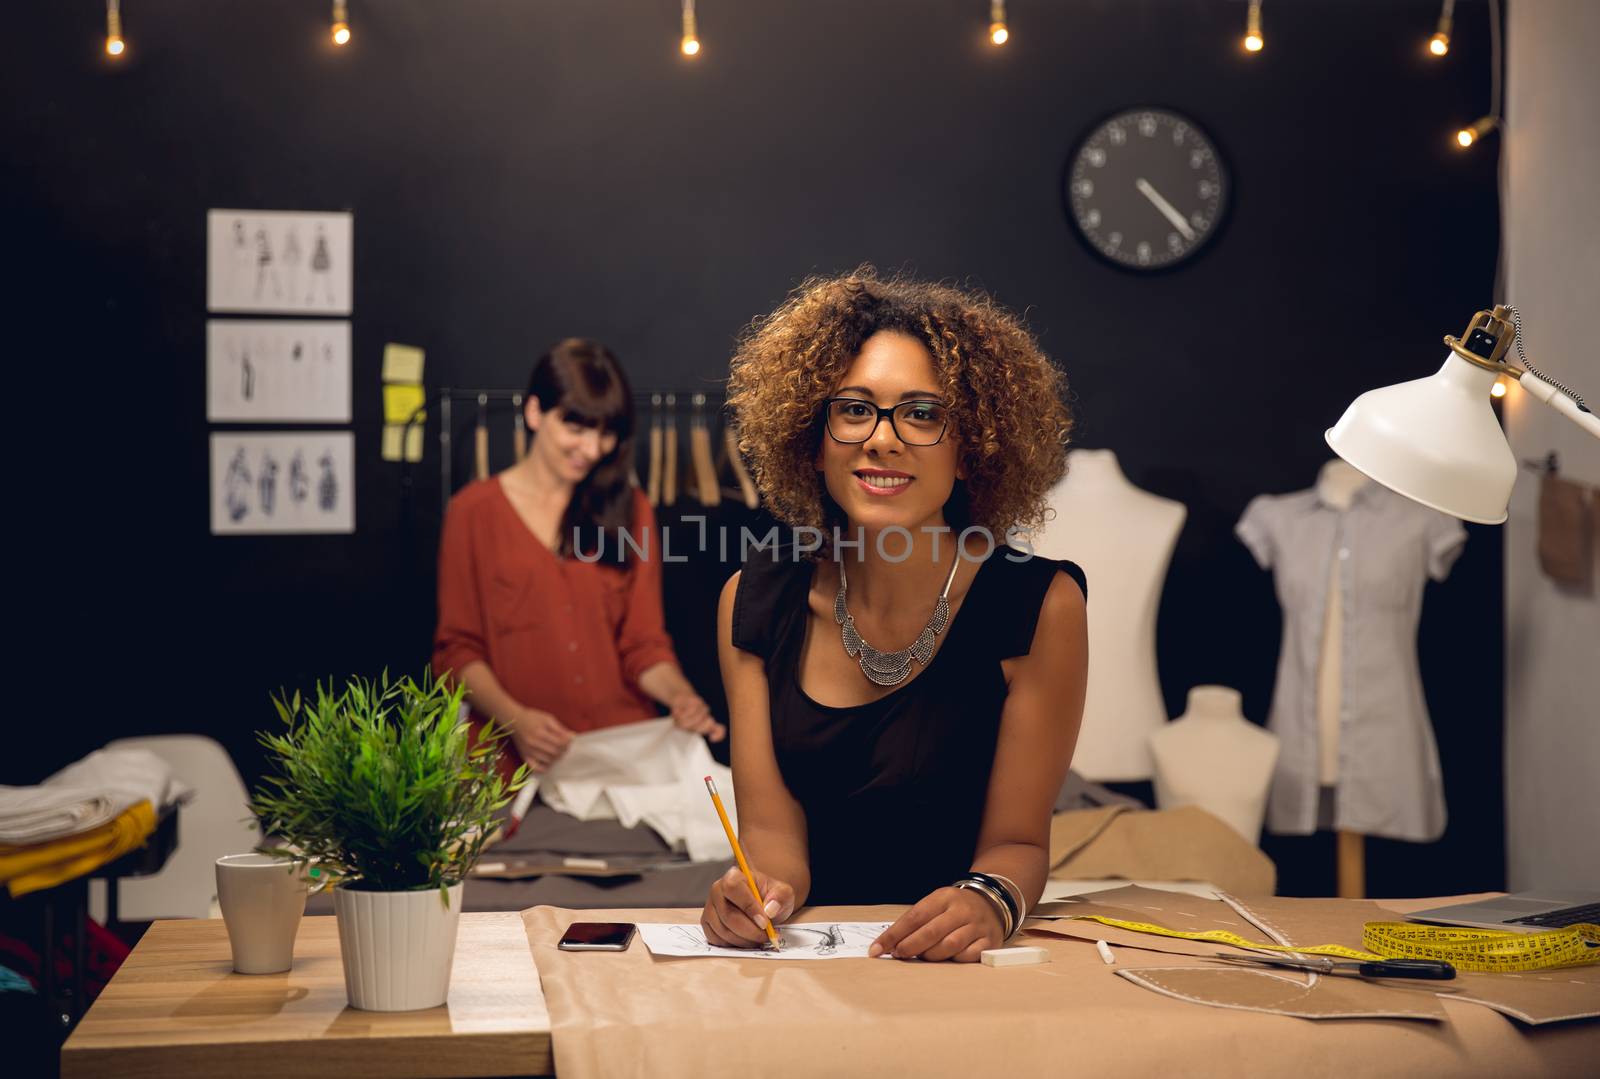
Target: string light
<point x="1468" y="136"/>
<point x="1439" y="43"/>
<point x="115" y="46"/>
<point x="1253" y="41"/>
<point x="998" y="32"/>
<point x="691" y="40"/>
<point x="341" y="23"/>
<point x="1477" y="130"/>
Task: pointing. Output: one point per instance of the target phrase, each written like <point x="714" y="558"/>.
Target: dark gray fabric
<point x="543" y="829"/>
<point x="680" y="886"/>
<point x="1080" y="793"/>
<point x="674" y="881"/>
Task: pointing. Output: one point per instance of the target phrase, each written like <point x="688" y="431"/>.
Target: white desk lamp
<point x="1436" y="440"/>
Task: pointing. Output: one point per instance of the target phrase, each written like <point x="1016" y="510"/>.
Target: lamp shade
<point x="1434" y="440"/>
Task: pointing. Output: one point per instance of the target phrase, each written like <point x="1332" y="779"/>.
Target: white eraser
<point x="1014" y="957"/>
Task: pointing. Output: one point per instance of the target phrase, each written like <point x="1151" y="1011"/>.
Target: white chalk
<point x="1014" y="957"/>
<point x="1105" y="952"/>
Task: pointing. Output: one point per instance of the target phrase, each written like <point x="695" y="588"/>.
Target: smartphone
<point x="597" y="937"/>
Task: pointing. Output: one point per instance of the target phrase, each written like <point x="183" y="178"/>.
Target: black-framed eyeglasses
<point x="916" y="423"/>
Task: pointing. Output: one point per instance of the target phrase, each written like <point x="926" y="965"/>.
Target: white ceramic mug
<point x="263" y="899"/>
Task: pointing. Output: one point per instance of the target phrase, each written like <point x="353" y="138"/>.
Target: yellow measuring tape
<point x="1489" y="950"/>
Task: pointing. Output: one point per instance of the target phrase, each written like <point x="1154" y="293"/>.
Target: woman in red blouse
<point x="549" y="643"/>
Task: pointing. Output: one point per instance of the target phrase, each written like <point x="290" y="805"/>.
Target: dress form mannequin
<point x="1337" y="483"/>
<point x="1212" y="757"/>
<point x="1123" y="538"/>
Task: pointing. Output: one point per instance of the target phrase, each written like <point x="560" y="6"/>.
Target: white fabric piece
<point x="649" y="773"/>
<point x="805" y="940"/>
<point x="86" y="794"/>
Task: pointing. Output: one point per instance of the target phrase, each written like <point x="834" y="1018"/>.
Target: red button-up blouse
<point x="561" y="635"/>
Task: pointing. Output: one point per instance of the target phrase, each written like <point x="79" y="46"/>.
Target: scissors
<point x="1387" y="968"/>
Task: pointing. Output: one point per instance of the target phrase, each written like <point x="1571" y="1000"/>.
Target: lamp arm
<point x="1560" y="399"/>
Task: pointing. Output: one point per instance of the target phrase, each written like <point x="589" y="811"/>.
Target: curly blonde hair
<point x="1006" y="397"/>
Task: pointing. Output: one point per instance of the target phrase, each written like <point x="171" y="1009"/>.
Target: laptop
<point x="1521" y="912"/>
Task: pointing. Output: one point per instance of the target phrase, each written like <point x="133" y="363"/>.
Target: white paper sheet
<point x="300" y="481"/>
<point x="277" y="372"/>
<point x="283" y="262"/>
<point x="803" y="940"/>
<point x="649" y="773"/>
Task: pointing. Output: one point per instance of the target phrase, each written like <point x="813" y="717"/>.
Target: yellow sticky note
<point x="401" y="402"/>
<point x="393" y="435"/>
<point x="402" y="363"/>
<point x="414" y="443"/>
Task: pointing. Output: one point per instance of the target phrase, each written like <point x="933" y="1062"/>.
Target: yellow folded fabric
<point x="44" y="865"/>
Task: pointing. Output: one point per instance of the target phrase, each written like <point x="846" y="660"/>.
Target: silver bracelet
<point x="1007" y="928"/>
<point x="1022" y="906"/>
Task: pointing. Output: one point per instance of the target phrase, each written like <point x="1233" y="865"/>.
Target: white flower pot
<point x="397" y="947"/>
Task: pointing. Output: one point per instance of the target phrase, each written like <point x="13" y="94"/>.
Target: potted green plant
<point x="381" y="788"/>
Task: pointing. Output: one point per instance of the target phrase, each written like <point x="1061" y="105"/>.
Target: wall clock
<point x="1147" y="189"/>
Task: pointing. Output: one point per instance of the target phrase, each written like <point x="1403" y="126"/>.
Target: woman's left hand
<point x="951" y="923"/>
<point x="693" y="714"/>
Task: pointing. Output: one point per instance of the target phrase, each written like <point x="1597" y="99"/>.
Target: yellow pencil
<point x="744" y="866"/>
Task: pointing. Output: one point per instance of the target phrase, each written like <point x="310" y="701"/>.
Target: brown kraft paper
<point x="632" y="1014"/>
<point x="1187" y="843"/>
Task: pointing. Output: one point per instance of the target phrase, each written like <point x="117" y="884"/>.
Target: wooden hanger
<point x="747" y="487"/>
<point x="669" y="478"/>
<point x="705" y="473"/>
<point x="519" y="432"/>
<point x="653" y="488"/>
<point x="480" y="439"/>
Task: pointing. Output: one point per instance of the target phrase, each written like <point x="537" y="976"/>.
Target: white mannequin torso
<point x="1123" y="538"/>
<point x="1212" y="757"/>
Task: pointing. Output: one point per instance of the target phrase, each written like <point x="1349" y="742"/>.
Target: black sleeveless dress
<point x="893" y="790"/>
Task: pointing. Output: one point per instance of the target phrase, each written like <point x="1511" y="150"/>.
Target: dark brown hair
<point x="586" y="383"/>
<point x="1007" y="399"/>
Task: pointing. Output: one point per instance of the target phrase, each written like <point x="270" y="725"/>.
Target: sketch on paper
<point x="808" y="940"/>
<point x="277" y="372"/>
<point x="317" y="494"/>
<point x="279" y="261"/>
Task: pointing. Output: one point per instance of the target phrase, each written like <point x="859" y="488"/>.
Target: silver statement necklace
<point x="891" y="668"/>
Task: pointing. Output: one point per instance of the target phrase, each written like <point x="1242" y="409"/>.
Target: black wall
<point x="521" y="172"/>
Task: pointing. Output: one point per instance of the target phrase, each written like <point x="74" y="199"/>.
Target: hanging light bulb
<point x="1253" y="41"/>
<point x="1477" y="130"/>
<point x="115" y="46"/>
<point x="998" y="32"/>
<point x="341" y="23"/>
<point x="691" y="40"/>
<point x="1439" y="43"/>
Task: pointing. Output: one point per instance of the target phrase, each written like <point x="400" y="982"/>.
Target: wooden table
<point x="176" y="1008"/>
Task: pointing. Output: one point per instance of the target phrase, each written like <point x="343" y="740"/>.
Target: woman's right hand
<point x="732" y="918"/>
<point x="540" y="737"/>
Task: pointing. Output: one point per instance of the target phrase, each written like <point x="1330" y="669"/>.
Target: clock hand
<point x="1168" y="211"/>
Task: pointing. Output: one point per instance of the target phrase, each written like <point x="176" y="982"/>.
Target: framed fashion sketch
<point x="278" y="371"/>
<point x="282" y="482"/>
<point x="278" y="261"/>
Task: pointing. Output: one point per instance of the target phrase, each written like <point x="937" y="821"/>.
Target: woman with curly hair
<point x="903" y="707"/>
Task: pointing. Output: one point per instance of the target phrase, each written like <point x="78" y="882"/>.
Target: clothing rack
<point x="660" y="413"/>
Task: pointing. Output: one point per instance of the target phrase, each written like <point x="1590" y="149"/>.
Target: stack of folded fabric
<point x="84" y="816"/>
